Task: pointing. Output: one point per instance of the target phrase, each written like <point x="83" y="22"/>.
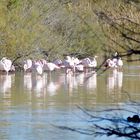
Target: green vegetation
<point x="58" y="27"/>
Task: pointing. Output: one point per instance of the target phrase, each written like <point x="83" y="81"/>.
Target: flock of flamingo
<point x="69" y="64"/>
<point x="76" y="72"/>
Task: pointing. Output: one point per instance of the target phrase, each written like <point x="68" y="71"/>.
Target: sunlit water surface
<point x="30" y="105"/>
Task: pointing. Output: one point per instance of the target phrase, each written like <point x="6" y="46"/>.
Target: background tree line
<point x="52" y="28"/>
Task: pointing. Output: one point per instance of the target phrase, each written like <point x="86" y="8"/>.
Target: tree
<point x="83" y="28"/>
<point x="52" y="26"/>
<point x="120" y="26"/>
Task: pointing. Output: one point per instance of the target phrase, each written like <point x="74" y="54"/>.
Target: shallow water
<point x="31" y="104"/>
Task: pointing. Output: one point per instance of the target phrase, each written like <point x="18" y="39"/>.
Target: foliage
<point x="59" y="27"/>
<point x="56" y="27"/>
<point x="120" y="26"/>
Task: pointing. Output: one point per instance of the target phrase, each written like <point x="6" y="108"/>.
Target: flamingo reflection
<point x="120" y="79"/>
<point x="111" y="82"/>
<point x="71" y="82"/>
<point x="92" y="82"/>
<point x="28" y="81"/>
<point x="52" y="88"/>
<point x="115" y="80"/>
<point x="6" y="84"/>
<point x="40" y="85"/>
<point x="80" y="78"/>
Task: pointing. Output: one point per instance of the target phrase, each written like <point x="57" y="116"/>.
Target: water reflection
<point x="37" y="101"/>
<point x="52" y="88"/>
<point x="115" y="80"/>
<point x="49" y="84"/>
<point x="91" y="82"/>
<point x="52" y="84"/>
<point x="70" y="83"/>
<point x="6" y="84"/>
<point x="39" y="85"/>
<point x="114" y="85"/>
<point x="80" y="78"/>
<point x="120" y="79"/>
<point x="28" y="81"/>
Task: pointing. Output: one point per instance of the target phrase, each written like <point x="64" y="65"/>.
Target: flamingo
<point x="12" y="68"/>
<point x="27" y="64"/>
<point x="5" y="64"/>
<point x="76" y="60"/>
<point x="39" y="67"/>
<point x="94" y="61"/>
<point x="50" y="66"/>
<point x="59" y="63"/>
<point x="114" y="63"/>
<point x="69" y="65"/>
<point x="79" y="68"/>
<point x="89" y="63"/>
<point x="110" y="63"/>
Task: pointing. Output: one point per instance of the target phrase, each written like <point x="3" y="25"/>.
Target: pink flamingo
<point x="69" y="65"/>
<point x="5" y="64"/>
<point x="59" y="63"/>
<point x="114" y="63"/>
<point x="79" y="68"/>
<point x="110" y="63"/>
<point x="89" y="63"/>
<point x="38" y="67"/>
<point x="27" y="64"/>
<point x="50" y="66"/>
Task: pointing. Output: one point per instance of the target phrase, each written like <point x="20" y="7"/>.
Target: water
<point x="30" y="105"/>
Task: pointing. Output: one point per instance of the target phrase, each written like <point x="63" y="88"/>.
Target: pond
<point x="30" y="105"/>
